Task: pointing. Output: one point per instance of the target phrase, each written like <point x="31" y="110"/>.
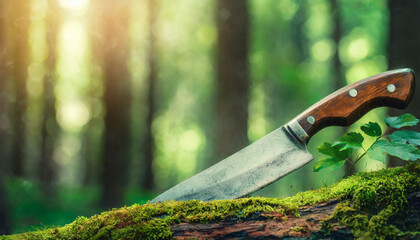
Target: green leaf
<point x="335" y="151"/>
<point x="406" y="136"/>
<point x="405" y="120"/>
<point x="351" y="140"/>
<point x="327" y="149"/>
<point x="397" y="149"/>
<point x="372" y="129"/>
<point x="328" y="162"/>
<point x="337" y="154"/>
<point x="377" y="154"/>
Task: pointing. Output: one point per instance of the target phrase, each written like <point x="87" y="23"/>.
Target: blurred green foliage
<point x="291" y="67"/>
<point x="32" y="210"/>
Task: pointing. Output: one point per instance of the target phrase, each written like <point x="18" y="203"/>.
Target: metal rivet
<point x="310" y="119"/>
<point x="353" y="92"/>
<point x="391" y="88"/>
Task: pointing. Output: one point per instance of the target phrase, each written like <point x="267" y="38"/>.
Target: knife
<point x="284" y="150"/>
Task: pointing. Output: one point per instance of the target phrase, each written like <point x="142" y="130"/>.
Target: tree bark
<point x="277" y="226"/>
<point x="265" y="225"/>
<point x="403" y="49"/>
<point x="47" y="167"/>
<point x="149" y="146"/>
<point x="232" y="77"/>
<point x="19" y="30"/>
<point x="117" y="98"/>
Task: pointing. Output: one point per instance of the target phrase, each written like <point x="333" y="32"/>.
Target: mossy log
<point x="314" y="222"/>
<point x="375" y="205"/>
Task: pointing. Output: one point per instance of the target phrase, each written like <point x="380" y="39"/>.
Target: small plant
<point x="402" y="144"/>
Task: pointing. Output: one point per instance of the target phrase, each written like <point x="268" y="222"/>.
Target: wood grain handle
<point x="348" y="104"/>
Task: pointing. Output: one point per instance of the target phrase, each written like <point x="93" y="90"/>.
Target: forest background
<point x="108" y="103"/>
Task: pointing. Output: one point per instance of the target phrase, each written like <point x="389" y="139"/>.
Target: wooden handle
<point x="348" y="104"/>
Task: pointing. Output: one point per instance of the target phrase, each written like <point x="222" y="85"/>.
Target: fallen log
<point x="375" y="205"/>
<point x="308" y="226"/>
<point x="268" y="225"/>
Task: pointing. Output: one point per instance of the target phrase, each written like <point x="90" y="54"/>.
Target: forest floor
<point x="371" y="205"/>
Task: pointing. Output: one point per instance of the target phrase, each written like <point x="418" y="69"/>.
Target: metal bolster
<point x="297" y="131"/>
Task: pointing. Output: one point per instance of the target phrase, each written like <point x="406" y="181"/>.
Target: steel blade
<point x="261" y="163"/>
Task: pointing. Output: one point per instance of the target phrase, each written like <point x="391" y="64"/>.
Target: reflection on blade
<point x="261" y="163"/>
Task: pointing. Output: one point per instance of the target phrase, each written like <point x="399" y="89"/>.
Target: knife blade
<point x="284" y="150"/>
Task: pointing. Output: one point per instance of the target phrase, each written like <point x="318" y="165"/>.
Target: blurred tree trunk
<point x="232" y="77"/>
<point x="4" y="216"/>
<point x="338" y="78"/>
<point x="149" y="146"/>
<point x="117" y="98"/>
<point x="47" y="168"/>
<point x="297" y="30"/>
<point x="92" y="145"/>
<point x="19" y="30"/>
<point x="403" y="50"/>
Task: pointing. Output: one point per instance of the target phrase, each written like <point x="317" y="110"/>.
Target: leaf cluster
<point x="401" y="143"/>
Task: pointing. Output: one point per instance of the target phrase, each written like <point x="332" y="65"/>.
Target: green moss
<point x="299" y="229"/>
<point x="380" y="197"/>
<point x="367" y="202"/>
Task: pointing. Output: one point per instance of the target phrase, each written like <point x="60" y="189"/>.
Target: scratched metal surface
<point x="261" y="163"/>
